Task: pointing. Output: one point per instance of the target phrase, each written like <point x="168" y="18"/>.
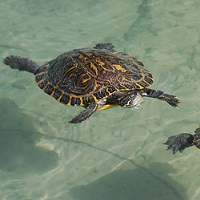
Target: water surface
<point x="117" y="154"/>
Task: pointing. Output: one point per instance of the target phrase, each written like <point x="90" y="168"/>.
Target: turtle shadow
<point x="19" y="155"/>
<point x="152" y="183"/>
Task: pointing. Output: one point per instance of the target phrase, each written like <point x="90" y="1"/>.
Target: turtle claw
<point x="173" y="144"/>
<point x="179" y="142"/>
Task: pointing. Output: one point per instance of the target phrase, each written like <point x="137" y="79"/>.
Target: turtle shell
<point x="83" y="76"/>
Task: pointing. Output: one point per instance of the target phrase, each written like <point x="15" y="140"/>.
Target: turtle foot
<point x="179" y="142"/>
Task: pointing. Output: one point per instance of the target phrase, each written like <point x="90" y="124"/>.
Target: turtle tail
<point x="23" y="64"/>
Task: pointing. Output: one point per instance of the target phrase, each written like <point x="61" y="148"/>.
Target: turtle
<point x="181" y="141"/>
<point x="94" y="78"/>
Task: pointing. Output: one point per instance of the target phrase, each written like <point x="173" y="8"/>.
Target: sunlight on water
<point x="118" y="154"/>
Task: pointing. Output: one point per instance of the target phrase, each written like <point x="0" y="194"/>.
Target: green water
<point x="118" y="154"/>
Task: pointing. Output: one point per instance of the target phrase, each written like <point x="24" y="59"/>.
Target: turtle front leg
<point x="183" y="140"/>
<point x="88" y="111"/>
<point x="158" y="94"/>
<point x="179" y="142"/>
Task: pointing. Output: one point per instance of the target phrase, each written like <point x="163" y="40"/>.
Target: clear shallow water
<point x="118" y="153"/>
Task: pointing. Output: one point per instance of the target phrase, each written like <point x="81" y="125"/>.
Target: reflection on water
<point x="118" y="153"/>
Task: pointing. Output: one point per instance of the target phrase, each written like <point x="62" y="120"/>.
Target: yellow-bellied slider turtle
<point x="93" y="78"/>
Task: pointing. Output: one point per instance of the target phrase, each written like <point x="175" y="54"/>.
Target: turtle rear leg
<point x="24" y="64"/>
<point x="88" y="111"/>
<point x="158" y="94"/>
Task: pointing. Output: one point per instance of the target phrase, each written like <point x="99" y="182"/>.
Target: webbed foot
<point x="170" y="99"/>
<point x="179" y="142"/>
